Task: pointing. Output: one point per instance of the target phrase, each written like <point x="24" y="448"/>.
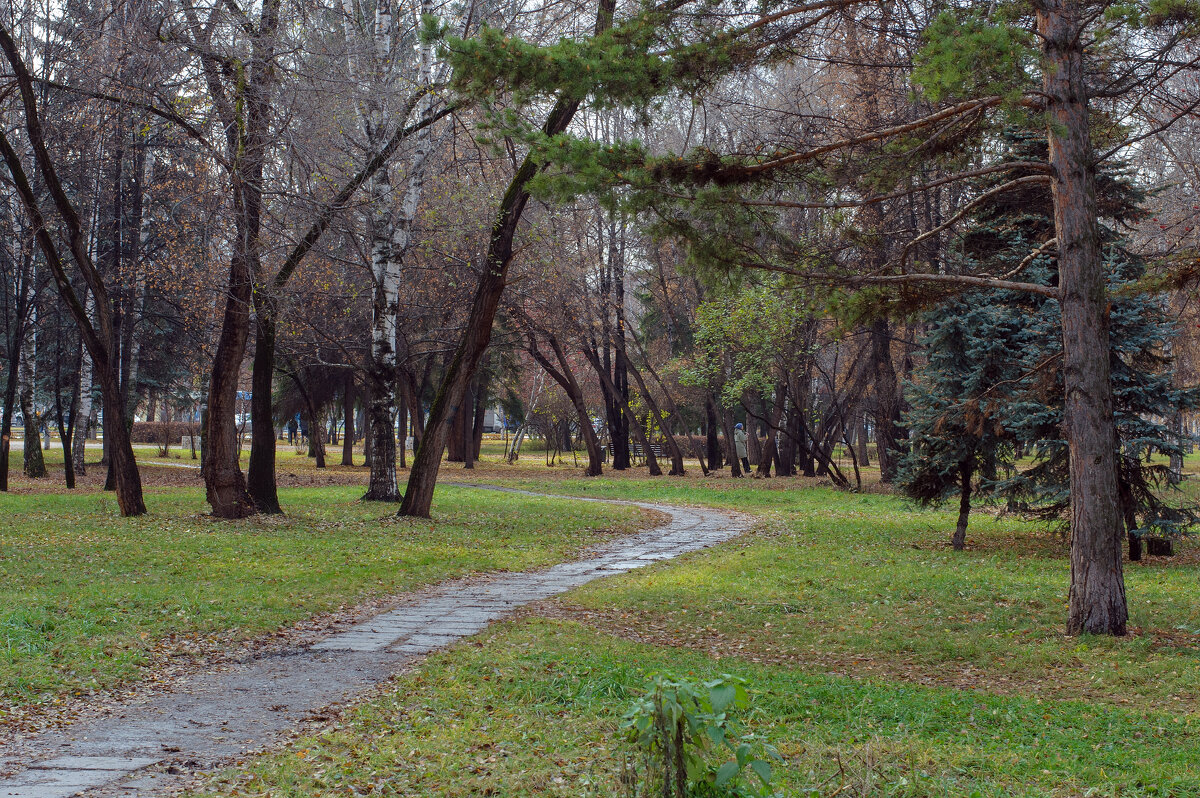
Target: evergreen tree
<point x="992" y="387"/>
<point x="954" y="436"/>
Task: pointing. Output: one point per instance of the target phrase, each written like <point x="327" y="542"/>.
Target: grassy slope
<point x="884" y="663"/>
<point x="84" y="593"/>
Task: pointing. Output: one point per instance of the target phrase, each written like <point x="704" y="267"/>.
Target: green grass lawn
<point x="85" y="595"/>
<point x="532" y="712"/>
<point x="882" y="663"/>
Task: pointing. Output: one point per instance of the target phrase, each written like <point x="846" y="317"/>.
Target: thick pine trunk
<point x="1097" y="598"/>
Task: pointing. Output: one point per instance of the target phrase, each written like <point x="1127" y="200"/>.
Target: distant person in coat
<point x="291" y="431"/>
<point x="739" y="447"/>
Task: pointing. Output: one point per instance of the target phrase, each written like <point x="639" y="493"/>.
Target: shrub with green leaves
<point x="691" y="745"/>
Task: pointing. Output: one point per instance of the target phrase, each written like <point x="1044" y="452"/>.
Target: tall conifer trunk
<point x="1097" y="597"/>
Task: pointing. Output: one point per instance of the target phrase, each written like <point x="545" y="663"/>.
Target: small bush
<point x="678" y="727"/>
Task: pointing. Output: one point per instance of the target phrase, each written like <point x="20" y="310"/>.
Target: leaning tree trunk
<point x="98" y="338"/>
<point x="565" y="377"/>
<point x="1097" y="602"/>
<point x="631" y="420"/>
<point x="418" y="496"/>
<point x="677" y="469"/>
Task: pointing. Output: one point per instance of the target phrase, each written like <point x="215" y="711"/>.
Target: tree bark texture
<point x="1097" y="602"/>
<point x="260" y="475"/>
<point x="248" y="126"/>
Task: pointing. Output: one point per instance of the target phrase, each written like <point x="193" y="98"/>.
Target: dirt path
<point x="209" y="720"/>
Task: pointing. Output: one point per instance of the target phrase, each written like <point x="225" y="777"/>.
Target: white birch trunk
<point x="87" y="407"/>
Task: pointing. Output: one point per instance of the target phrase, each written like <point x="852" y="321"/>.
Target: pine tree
<point x="992" y="387"/>
<point x="973" y="347"/>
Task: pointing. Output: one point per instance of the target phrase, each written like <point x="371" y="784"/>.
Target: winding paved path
<point x="210" y="720"/>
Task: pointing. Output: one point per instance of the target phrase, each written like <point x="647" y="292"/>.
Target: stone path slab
<point x="211" y="719"/>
